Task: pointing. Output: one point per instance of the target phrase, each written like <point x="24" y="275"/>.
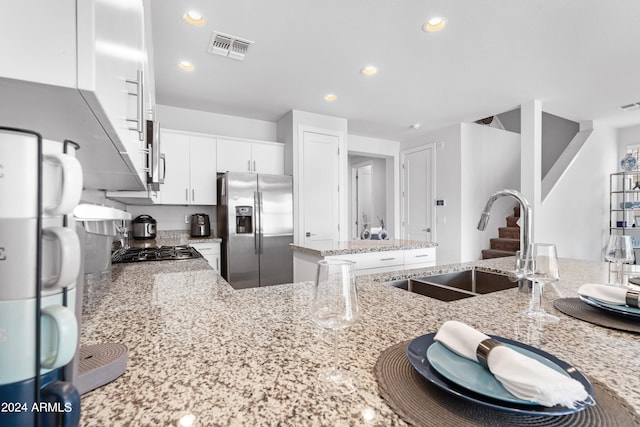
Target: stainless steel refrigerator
<point x="255" y="222"/>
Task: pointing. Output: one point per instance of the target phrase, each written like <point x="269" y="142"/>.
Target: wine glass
<point x="619" y="250"/>
<point x="541" y="267"/>
<point x="335" y="306"/>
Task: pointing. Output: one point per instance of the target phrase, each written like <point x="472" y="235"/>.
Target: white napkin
<point x="522" y="376"/>
<point x="605" y="293"/>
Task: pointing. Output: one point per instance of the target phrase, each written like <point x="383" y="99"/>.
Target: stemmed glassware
<point x="335" y="307"/>
<point x="619" y="251"/>
<point x="541" y="267"/>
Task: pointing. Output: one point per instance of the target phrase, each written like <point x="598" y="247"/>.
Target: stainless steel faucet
<point x="526" y="226"/>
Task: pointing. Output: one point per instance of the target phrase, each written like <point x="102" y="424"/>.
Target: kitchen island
<point x="200" y="350"/>
<point x="369" y="256"/>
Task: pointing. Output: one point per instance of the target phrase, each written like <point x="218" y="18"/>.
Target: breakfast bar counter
<point x="204" y="354"/>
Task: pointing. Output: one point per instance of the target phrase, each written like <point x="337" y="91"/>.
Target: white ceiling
<point x="581" y="58"/>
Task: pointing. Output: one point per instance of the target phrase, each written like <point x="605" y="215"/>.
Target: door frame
<point x="431" y="176"/>
<point x="353" y="200"/>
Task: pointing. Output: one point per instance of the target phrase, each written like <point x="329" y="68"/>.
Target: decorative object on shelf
<point x="628" y="163"/>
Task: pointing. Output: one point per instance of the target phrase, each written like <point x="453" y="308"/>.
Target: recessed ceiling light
<point x="330" y="97"/>
<point x="434" y="24"/>
<point x="415" y="126"/>
<point x="186" y="66"/>
<point x="194" y="18"/>
<point x="369" y="70"/>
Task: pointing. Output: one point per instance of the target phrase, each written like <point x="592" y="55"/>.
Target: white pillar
<point x="531" y="157"/>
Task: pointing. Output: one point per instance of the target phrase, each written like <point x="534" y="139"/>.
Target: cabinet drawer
<point x="419" y="256"/>
<point x="206" y="248"/>
<point x="373" y="259"/>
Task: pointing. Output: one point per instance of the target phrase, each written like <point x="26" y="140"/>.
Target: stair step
<point x="493" y="253"/>
<point x="512" y="221"/>
<point x="511" y="245"/>
<point x="509" y="232"/>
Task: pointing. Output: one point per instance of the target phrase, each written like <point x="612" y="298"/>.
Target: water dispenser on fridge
<point x="244" y="219"/>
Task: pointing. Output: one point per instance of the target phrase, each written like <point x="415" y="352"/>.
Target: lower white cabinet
<point x="210" y="252"/>
<point x="305" y="265"/>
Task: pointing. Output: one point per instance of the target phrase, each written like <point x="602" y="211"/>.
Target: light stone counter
<point x="360" y="246"/>
<point x="248" y="357"/>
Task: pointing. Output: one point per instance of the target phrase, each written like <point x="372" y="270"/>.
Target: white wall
<point x="626" y="137"/>
<point x="490" y="161"/>
<point x="448" y="187"/>
<point x="215" y="124"/>
<point x="575" y="214"/>
<point x="173" y="217"/>
<point x="472" y="163"/>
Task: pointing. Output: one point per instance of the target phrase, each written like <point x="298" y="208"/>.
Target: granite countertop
<point x="360" y="246"/>
<point x="249" y="357"/>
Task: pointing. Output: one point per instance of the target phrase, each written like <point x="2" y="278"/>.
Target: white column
<point x="531" y="157"/>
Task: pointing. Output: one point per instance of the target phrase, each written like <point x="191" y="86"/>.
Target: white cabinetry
<point x="210" y="252"/>
<point x="236" y="155"/>
<point x="305" y="264"/>
<point x="67" y="79"/>
<point x="111" y="60"/>
<point x="190" y="177"/>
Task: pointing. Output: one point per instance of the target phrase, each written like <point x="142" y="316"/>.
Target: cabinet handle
<point x="218" y="265"/>
<point x="254" y="165"/>
<point x="420" y="256"/>
<point x="193" y="195"/>
<point x="249" y="165"/>
<point x="140" y="106"/>
<point x="387" y="259"/>
<point x="186" y="194"/>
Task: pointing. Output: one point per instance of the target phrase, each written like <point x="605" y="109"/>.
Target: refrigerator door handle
<point x="260" y="230"/>
<point x="256" y="224"/>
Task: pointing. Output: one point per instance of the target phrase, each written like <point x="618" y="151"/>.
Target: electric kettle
<point x="200" y="225"/>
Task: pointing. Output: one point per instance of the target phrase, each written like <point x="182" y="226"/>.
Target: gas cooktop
<point x="158" y="253"/>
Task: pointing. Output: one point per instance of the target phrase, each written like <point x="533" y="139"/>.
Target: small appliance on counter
<point x="144" y="227"/>
<point x="200" y="225"/>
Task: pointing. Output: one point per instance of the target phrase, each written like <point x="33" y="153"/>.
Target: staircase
<point x="508" y="241"/>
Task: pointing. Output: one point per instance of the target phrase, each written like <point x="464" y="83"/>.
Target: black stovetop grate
<point x="158" y="253"/>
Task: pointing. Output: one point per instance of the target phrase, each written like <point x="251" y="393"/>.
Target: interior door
<point x="320" y="192"/>
<point x="417" y="194"/>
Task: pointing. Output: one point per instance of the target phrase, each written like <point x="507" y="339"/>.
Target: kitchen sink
<point x="455" y="285"/>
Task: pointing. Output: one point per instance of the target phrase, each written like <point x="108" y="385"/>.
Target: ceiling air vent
<point x="630" y="107"/>
<point x="228" y="45"/>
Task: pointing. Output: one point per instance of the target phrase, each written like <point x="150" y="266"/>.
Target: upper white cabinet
<point x="111" y="62"/>
<point x="77" y="72"/>
<point x="190" y="177"/>
<point x="235" y="155"/>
